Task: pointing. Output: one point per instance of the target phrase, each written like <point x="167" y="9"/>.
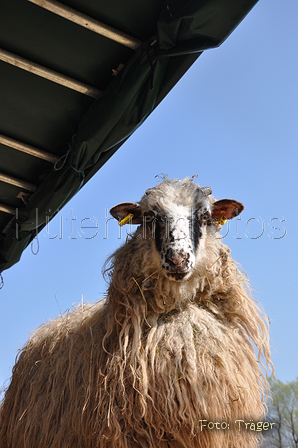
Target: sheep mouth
<point x="178" y="276"/>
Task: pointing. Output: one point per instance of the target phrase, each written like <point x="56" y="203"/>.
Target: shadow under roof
<point x="89" y="69"/>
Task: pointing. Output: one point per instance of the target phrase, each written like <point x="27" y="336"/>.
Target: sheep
<point x="175" y="355"/>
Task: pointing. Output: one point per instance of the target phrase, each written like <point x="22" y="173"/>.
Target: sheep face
<point x="179" y="234"/>
<point x="178" y="216"/>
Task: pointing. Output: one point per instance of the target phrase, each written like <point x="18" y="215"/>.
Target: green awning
<point x="182" y="30"/>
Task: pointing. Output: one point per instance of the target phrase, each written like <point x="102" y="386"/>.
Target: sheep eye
<point x="149" y="217"/>
<point x="204" y="215"/>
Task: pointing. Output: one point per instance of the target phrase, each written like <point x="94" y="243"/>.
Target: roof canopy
<point x="76" y="80"/>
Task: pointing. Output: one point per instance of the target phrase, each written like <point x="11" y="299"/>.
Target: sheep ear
<point x="226" y="209"/>
<point x="120" y="211"/>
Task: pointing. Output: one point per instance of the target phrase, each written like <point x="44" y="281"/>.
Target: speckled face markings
<point x="177" y="237"/>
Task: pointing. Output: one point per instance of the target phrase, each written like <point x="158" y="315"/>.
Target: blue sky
<point x="233" y="121"/>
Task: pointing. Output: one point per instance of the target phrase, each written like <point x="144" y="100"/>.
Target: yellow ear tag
<point x="125" y="220"/>
<point x="221" y="221"/>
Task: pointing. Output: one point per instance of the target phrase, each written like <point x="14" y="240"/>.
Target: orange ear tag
<point x="125" y="220"/>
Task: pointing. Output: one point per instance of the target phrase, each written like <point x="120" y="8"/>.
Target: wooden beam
<point x="48" y="74"/>
<point x="88" y="22"/>
<point x="27" y="149"/>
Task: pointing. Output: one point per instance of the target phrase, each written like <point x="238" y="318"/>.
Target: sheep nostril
<point x="178" y="260"/>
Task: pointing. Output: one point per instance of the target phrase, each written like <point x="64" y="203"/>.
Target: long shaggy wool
<point x="146" y="365"/>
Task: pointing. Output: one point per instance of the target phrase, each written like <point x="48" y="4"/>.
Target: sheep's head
<point x="178" y="216"/>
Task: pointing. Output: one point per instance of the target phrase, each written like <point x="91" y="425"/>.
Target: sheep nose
<point x="178" y="259"/>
